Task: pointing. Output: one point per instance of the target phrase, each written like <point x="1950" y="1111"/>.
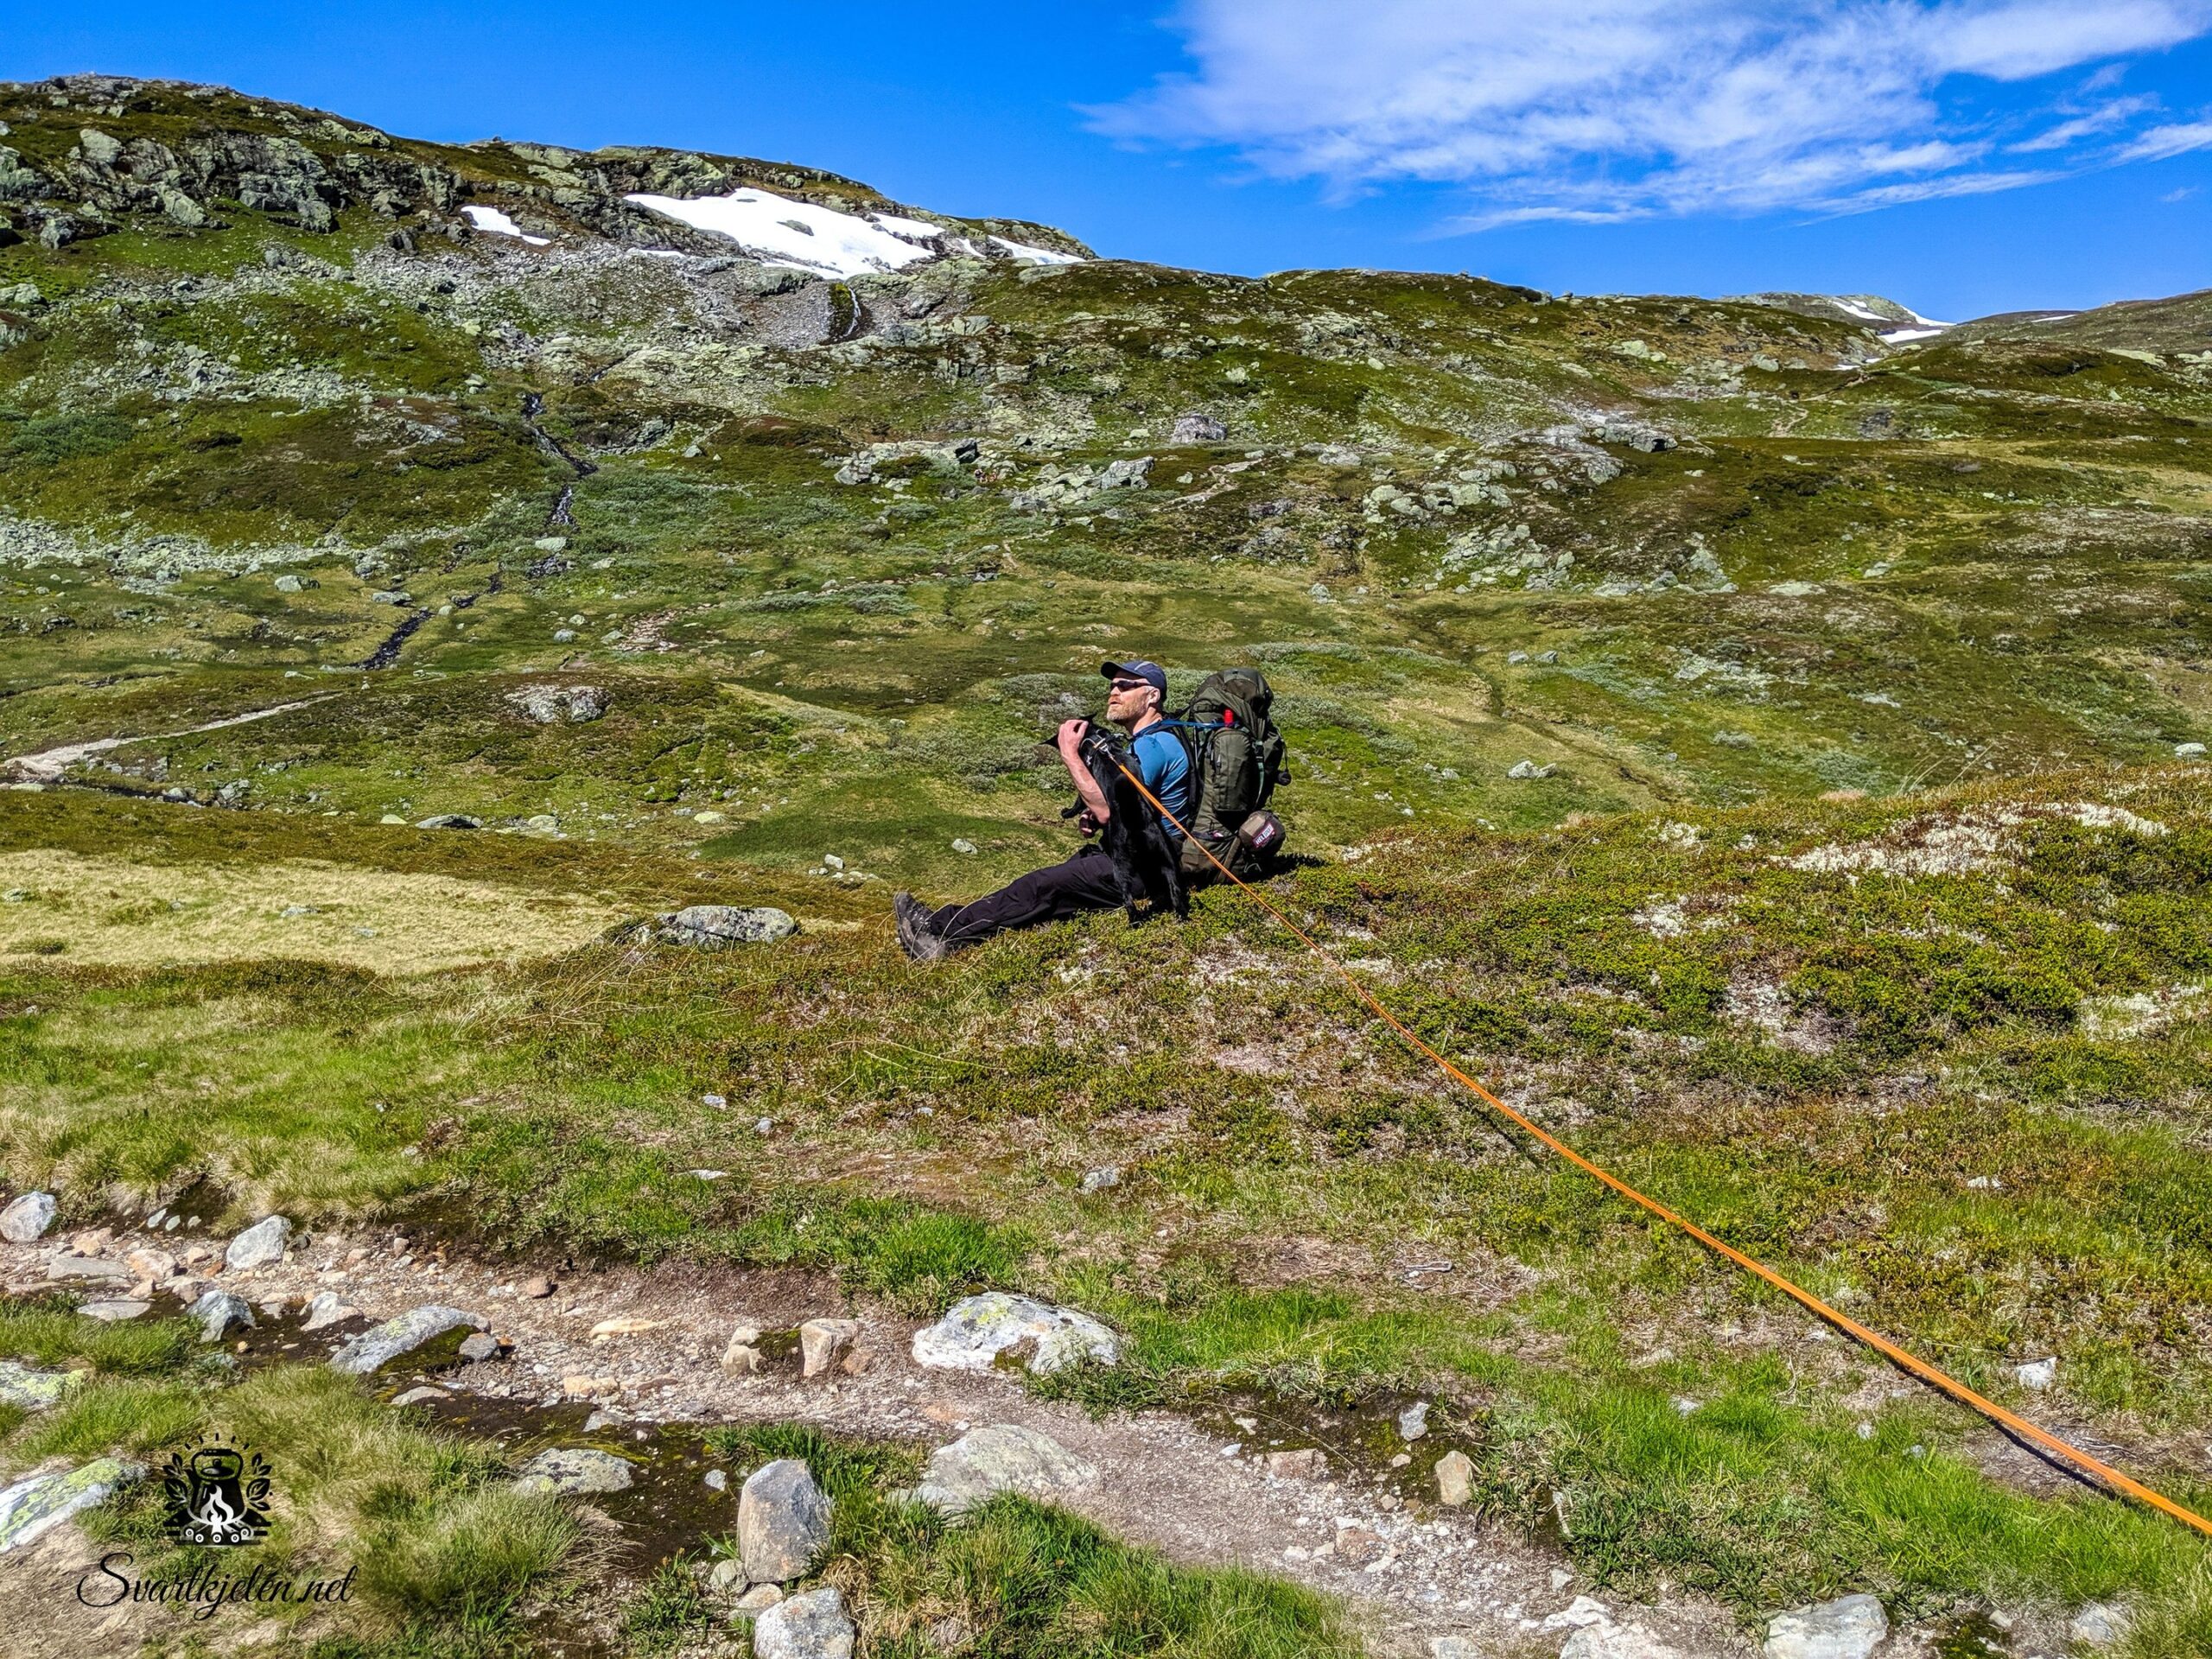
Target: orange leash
<point x="1843" y="1322"/>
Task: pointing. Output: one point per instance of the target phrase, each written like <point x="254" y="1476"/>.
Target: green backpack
<point x="1236" y="762"/>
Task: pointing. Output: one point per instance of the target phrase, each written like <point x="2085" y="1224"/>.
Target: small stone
<point x="571" y="1469"/>
<point x="1000" y="1458"/>
<point x="2189" y="751"/>
<point x="1413" y="1421"/>
<point x="536" y="1287"/>
<point x="811" y="1626"/>
<point x="627" y="1326"/>
<point x="742" y="1358"/>
<point x="156" y="1265"/>
<point x="326" y="1308"/>
<point x="1303" y="1463"/>
<point x="727" y="1575"/>
<point x="965" y="848"/>
<point x="287" y="584"/>
<point x="28" y="1218"/>
<point x="1357" y="1546"/>
<point x="2100" y="1624"/>
<point x="1851" y="1627"/>
<point x="218" y="1314"/>
<point x="1527" y="771"/>
<point x="1098" y="1179"/>
<point x="717" y="1481"/>
<point x="2038" y="1374"/>
<point x="783" y="1521"/>
<point x="576" y="1386"/>
<point x="858" y="1363"/>
<point x="1455" y="1479"/>
<point x="420" y="1397"/>
<point x="479" y="1348"/>
<point x="115" y="1309"/>
<point x="760" y="1597"/>
<point x="823" y="1342"/>
<point x="258" y="1245"/>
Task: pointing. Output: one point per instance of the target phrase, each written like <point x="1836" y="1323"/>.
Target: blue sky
<point x="1963" y="156"/>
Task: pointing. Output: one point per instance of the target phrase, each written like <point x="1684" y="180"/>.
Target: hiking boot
<point x="917" y="937"/>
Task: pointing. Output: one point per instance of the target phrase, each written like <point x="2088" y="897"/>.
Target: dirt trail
<point x="49" y="766"/>
<point x="1411" y="1570"/>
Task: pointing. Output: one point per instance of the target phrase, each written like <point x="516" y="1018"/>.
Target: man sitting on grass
<point x="1086" y="881"/>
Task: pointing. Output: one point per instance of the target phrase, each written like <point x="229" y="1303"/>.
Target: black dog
<point x="1144" y="858"/>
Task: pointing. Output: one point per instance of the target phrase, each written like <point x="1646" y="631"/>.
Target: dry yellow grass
<point x="113" y="912"/>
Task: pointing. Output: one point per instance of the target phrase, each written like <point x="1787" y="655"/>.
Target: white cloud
<point x="1607" y="108"/>
<point x="2176" y="139"/>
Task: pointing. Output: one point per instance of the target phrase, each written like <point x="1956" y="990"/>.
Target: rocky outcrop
<point x="711" y="927"/>
<point x="568" y="1469"/>
<point x="1850" y="1627"/>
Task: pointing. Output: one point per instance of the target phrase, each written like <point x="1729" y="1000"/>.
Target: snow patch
<point x="1037" y="256"/>
<point x="1900" y="336"/>
<point x="798" y="234"/>
<point x="492" y="220"/>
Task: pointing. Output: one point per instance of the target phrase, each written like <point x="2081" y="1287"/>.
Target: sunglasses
<point x="1126" y="685"/>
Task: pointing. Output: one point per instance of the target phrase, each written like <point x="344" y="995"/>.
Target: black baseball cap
<point x="1151" y="673"/>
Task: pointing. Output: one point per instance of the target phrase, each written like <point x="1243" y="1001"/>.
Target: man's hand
<point x="1070" y="739"/>
<point x="1095" y="810"/>
<point x="1084" y="822"/>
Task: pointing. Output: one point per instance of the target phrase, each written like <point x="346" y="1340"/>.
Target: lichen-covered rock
<point x="574" y="1469"/>
<point x="811" y="1626"/>
<point x="406" y="1336"/>
<point x="552" y="705"/>
<point x="783" y="1521"/>
<point x="28" y="1389"/>
<point x="977" y="1330"/>
<point x="1199" y="428"/>
<point x="258" y="1245"/>
<point x="715" y="927"/>
<point x="27" y="1217"/>
<point x="1000" y="1458"/>
<point x="1850" y="1627"/>
<point x="31" y="1508"/>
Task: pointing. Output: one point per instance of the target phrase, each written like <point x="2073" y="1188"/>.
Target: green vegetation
<point x="1856" y="906"/>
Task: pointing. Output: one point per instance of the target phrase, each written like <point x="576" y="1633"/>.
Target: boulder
<point x="404" y="1336"/>
<point x="28" y="1389"/>
<point x="258" y="1245"/>
<point x="28" y="1218"/>
<point x="33" y="1507"/>
<point x="811" y="1626"/>
<point x="823" y="1342"/>
<point x="715" y="927"/>
<point x="219" y="1313"/>
<point x="1850" y="1627"/>
<point x="1000" y="1458"/>
<point x="783" y="1521"/>
<point x="574" y="1469"/>
<point x="553" y="705"/>
<point x="448" y="821"/>
<point x="1197" y="428"/>
<point x="977" y="1330"/>
<point x="1131" y="474"/>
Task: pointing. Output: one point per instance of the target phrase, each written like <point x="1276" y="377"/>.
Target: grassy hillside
<point x="1858" y="907"/>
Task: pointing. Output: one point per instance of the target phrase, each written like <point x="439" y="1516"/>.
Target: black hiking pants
<point x="1084" y="880"/>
